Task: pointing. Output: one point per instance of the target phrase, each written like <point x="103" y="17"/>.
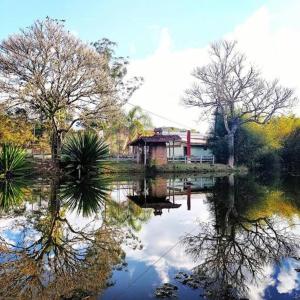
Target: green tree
<point x="136" y="122"/>
<point x="291" y="151"/>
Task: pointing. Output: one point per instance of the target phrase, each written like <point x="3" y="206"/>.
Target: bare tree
<point x="54" y="75"/>
<point x="236" y="90"/>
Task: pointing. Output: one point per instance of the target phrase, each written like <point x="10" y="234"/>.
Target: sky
<point x="166" y="39"/>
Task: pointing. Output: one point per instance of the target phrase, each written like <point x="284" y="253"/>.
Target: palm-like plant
<point x="87" y="196"/>
<point x="12" y="161"/>
<point x="83" y="152"/>
<point x="12" y="194"/>
<point x="136" y="123"/>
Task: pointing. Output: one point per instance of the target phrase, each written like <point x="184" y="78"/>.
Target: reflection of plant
<point x="62" y="261"/>
<point x="129" y="214"/>
<point x="86" y="195"/>
<point x="12" y="161"/>
<point x="83" y="152"/>
<point x="275" y="203"/>
<point x="12" y="193"/>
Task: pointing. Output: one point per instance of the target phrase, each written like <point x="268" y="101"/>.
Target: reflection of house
<point x="158" y="204"/>
<point x="153" y="195"/>
<point x="161" y="193"/>
<point x="199" y="184"/>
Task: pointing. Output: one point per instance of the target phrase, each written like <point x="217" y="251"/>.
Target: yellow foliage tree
<point x="16" y="130"/>
<point x="276" y="130"/>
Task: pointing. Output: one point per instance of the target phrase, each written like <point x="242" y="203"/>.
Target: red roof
<point x="157" y="138"/>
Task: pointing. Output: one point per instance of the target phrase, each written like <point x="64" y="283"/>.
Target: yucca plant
<point x="83" y="152"/>
<point x="87" y="196"/>
<point x="12" y="193"/>
<point x="12" y="161"/>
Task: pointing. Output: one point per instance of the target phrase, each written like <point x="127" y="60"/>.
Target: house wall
<point x="178" y="151"/>
<point x="158" y="155"/>
<point x="200" y="151"/>
<point x="195" y="151"/>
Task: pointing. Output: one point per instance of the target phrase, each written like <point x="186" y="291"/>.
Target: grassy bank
<point x="134" y="168"/>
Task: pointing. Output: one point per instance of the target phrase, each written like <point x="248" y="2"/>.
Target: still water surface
<point x="209" y="237"/>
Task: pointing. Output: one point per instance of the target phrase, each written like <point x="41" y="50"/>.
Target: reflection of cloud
<point x="257" y="289"/>
<point x="287" y="279"/>
<point x="162" y="233"/>
<point x="161" y="267"/>
<point x="88" y="224"/>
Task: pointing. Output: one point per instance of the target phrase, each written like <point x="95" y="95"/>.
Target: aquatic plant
<point x="83" y="152"/>
<point x="12" y="161"/>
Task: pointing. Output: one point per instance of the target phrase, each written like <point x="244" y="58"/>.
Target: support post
<point x="145" y="154"/>
<point x="188" y="146"/>
<point x="173" y="152"/>
<point x="189" y="197"/>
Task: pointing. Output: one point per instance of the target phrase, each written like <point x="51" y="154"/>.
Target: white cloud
<point x="287" y="279"/>
<point x="269" y="38"/>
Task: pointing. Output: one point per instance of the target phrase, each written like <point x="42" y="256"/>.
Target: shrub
<point x="12" y="161"/>
<point x="83" y="152"/>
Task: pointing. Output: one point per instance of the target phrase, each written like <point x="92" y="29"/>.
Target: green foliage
<point x="291" y="151"/>
<point x="252" y="149"/>
<point x="258" y="146"/>
<point x="127" y="214"/>
<point x="87" y="196"/>
<point x="12" y="161"/>
<point x="12" y="193"/>
<point x="83" y="152"/>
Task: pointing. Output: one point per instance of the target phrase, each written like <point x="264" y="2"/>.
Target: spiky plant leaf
<point x="86" y="196"/>
<point x="12" y="193"/>
<point x="83" y="152"/>
<point x="13" y="160"/>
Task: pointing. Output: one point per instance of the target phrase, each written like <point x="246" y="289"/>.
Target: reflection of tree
<point x="53" y="258"/>
<point x="236" y="247"/>
<point x="127" y="214"/>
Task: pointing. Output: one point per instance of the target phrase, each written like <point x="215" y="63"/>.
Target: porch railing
<point x="194" y="159"/>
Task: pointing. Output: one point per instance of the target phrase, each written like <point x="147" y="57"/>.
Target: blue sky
<point x="167" y="39"/>
<point x="134" y="24"/>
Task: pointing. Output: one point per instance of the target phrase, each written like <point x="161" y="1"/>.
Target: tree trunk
<point x="55" y="147"/>
<point x="231" y="150"/>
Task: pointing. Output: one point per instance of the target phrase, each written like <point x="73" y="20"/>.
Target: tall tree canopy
<point x="53" y="75"/>
<point x="236" y="90"/>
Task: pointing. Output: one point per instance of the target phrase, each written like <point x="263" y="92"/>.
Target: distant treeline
<point x="275" y="144"/>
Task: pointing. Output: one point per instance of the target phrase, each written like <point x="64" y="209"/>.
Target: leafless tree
<point x="52" y="74"/>
<point x="236" y="90"/>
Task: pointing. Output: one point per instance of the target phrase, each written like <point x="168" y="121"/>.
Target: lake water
<point x="205" y="237"/>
